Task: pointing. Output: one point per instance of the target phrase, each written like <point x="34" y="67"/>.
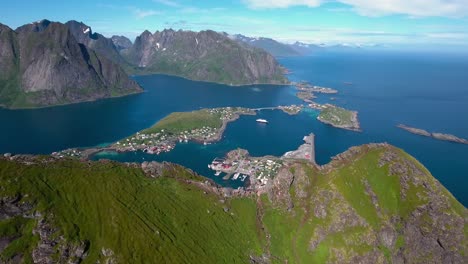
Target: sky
<point x="399" y="23"/>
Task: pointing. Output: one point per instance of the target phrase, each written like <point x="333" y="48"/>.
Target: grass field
<point x="334" y="216"/>
<point x="336" y="115"/>
<point x="182" y="121"/>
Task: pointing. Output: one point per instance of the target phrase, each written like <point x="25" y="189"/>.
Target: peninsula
<point x="435" y="135"/>
<point x="203" y="126"/>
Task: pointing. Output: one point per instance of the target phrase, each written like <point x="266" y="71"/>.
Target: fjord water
<point x="429" y="91"/>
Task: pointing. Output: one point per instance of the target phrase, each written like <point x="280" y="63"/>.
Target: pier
<point x="305" y="151"/>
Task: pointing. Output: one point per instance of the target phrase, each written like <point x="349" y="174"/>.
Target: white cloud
<point x="451" y="8"/>
<point x="139" y="13"/>
<point x="260" y="4"/>
<point x="418" y="8"/>
<point x="168" y="3"/>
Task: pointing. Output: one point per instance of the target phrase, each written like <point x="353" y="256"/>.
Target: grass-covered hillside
<point x="339" y="117"/>
<point x="372" y="204"/>
<point x="180" y="121"/>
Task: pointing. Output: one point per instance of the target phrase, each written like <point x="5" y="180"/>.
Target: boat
<point x="243" y="177"/>
<point x="260" y="120"/>
<point x="236" y="176"/>
<point x="217" y="173"/>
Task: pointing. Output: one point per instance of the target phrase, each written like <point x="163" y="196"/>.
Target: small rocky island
<point x="439" y="136"/>
<point x="338" y="117"/>
<point x="306" y="91"/>
<point x="329" y="114"/>
<point x="306" y="96"/>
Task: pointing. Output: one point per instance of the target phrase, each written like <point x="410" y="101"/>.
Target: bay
<point x="429" y="91"/>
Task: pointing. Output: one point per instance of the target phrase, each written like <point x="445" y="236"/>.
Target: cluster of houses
<point x="260" y="170"/>
<point x="229" y="113"/>
<point x="317" y="106"/>
<point x="74" y="153"/>
<point x="204" y="133"/>
<point x="155" y="143"/>
<point x="291" y="109"/>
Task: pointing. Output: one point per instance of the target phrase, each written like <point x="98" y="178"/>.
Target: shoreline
<point x="171" y="140"/>
<point x="72" y="103"/>
<point x="227" y="84"/>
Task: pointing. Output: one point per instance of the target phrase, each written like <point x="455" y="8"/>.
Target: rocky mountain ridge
<point x="46" y="65"/>
<point x="371" y="204"/>
<point x="204" y="56"/>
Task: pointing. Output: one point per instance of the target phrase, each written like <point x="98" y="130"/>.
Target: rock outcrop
<point x="121" y="42"/>
<point x="46" y="65"/>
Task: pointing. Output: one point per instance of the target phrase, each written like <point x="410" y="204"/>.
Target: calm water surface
<point x="422" y="90"/>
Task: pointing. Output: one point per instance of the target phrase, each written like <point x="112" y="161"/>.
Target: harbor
<point x="239" y="165"/>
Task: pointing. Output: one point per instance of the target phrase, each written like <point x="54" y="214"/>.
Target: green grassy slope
<point x="342" y="216"/>
<point x="180" y="121"/>
<point x="140" y="219"/>
<point x="374" y="204"/>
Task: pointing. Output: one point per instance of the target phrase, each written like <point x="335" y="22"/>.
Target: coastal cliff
<point x="371" y="204"/>
<point x="43" y="64"/>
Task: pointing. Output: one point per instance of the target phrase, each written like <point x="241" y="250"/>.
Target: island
<point x="306" y="86"/>
<point x="306" y="91"/>
<point x="435" y="135"/>
<point x="338" y="117"/>
<point x="306" y="96"/>
<point x="291" y="109"/>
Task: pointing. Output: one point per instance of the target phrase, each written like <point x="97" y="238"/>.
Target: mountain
<point x="305" y="48"/>
<point x="371" y="204"/>
<point x="204" y="56"/>
<point x="43" y="64"/>
<point x="272" y="46"/>
<point x="121" y="42"/>
<point x="95" y="41"/>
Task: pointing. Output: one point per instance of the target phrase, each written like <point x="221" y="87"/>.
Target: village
<point x="306" y="86"/>
<point x="291" y="109"/>
<point x="238" y="165"/>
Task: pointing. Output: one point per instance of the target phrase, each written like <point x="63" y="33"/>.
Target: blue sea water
<point x="423" y="90"/>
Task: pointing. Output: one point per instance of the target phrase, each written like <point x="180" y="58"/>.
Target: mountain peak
<point x="37" y="26"/>
<point x="81" y="28"/>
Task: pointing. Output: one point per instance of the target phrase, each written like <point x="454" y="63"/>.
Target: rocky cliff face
<point x="371" y="204"/>
<point x="121" y="42"/>
<point x="205" y="56"/>
<point x="95" y="41"/>
<point x="49" y="66"/>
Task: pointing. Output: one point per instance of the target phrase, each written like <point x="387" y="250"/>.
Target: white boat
<point x="217" y="173"/>
<point x="260" y="120"/>
<point x="243" y="177"/>
<point x="236" y="176"/>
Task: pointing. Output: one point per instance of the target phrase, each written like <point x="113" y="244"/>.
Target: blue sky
<point x="410" y="23"/>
